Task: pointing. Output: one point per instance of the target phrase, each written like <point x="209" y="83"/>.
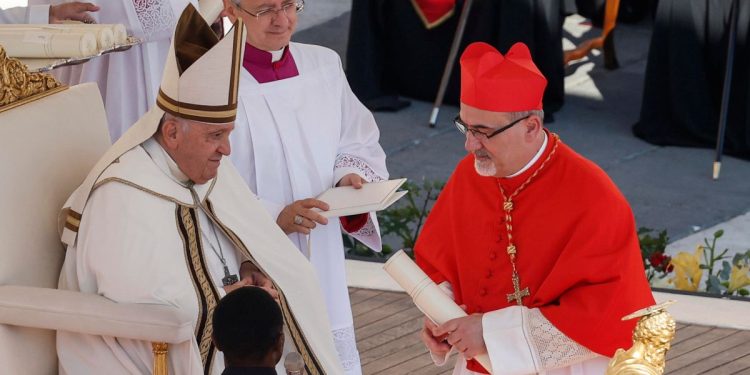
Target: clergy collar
<point x="534" y="159"/>
<point x="267" y="66"/>
<point x="170" y="168"/>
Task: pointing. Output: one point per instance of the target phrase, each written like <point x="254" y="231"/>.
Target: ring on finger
<point x="298" y="219"/>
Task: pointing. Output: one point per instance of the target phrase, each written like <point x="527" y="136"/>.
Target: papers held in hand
<point x="373" y="196"/>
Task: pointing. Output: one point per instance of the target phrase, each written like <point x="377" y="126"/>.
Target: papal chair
<point x="50" y="136"/>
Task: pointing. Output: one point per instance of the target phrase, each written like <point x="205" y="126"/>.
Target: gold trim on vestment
<point x="141" y="188"/>
<point x="208" y="296"/>
<point x="312" y="364"/>
<point x="236" y="61"/>
<point x="430" y="25"/>
<point x="18" y="86"/>
<point x="215" y="115"/>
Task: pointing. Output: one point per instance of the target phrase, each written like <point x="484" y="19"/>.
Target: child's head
<point x="248" y="328"/>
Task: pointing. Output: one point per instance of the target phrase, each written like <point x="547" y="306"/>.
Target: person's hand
<point x="76" y="11"/>
<point x="352" y="179"/>
<point x="433" y="342"/>
<point x="299" y="216"/>
<point x="465" y="334"/>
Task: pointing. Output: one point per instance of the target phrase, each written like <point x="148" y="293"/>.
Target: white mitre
<point x="200" y="81"/>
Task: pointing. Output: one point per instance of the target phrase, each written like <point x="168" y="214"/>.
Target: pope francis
<point x="161" y="219"/>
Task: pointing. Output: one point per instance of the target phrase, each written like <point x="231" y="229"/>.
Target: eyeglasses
<point x="463" y="128"/>
<point x="268" y="14"/>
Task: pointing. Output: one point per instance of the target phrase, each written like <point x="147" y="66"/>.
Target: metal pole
<point x="724" y="115"/>
<point x="451" y="61"/>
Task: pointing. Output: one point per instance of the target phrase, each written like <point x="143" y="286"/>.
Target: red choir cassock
<point x="577" y="247"/>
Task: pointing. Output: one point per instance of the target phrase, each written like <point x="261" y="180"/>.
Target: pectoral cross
<point x="518" y="294"/>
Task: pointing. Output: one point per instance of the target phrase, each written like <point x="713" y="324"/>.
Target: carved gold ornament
<point x="18" y="86"/>
<point x="651" y="340"/>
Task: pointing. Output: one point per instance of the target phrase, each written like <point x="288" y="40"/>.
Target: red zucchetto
<point x="497" y="83"/>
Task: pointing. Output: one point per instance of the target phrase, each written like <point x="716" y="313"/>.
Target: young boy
<point x="248" y="328"/>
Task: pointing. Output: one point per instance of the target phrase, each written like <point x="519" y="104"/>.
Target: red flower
<point x="657" y="259"/>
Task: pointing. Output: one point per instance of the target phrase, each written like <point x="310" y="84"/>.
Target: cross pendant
<point x="518" y="294"/>
<point x="229" y="279"/>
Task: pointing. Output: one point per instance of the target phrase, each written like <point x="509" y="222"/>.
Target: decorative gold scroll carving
<point x="18" y="86"/>
<point x="652" y="338"/>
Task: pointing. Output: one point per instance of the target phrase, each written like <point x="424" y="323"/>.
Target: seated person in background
<point x="248" y="328"/>
<point x="382" y="63"/>
<point x="41" y="14"/>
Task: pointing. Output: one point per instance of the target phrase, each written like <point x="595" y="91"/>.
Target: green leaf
<point x="713" y="285"/>
<point x="744" y="292"/>
<point x="719" y="233"/>
<point x="726" y="269"/>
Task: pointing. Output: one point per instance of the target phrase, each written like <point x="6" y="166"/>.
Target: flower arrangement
<point x="706" y="269"/>
<point x="657" y="264"/>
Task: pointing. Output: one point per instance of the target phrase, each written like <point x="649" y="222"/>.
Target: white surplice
<point x="297" y="137"/>
<point x="35" y="14"/>
<point x="129" y="80"/>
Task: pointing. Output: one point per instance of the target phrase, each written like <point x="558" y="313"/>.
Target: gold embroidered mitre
<point x="200" y="81"/>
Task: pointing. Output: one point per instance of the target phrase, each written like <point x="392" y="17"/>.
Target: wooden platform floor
<point x="387" y="326"/>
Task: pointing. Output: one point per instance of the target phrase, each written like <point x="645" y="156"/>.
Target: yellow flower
<point x="739" y="278"/>
<point x="687" y="271"/>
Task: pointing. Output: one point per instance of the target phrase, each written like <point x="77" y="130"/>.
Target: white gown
<point x="128" y="81"/>
<point x="294" y="139"/>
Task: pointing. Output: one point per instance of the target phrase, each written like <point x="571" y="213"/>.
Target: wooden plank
<point x="384" y="312"/>
<point x="362" y="295"/>
<point x="401" y="343"/>
<point x="696" y="342"/>
<point x="392" y="361"/>
<point x="402" y="329"/>
<point x="736" y="367"/>
<point x="688" y="332"/>
<point x="712" y="356"/>
<point x="394" y="320"/>
<point x="411" y="365"/>
<point x="374" y="302"/>
<point x="431" y="369"/>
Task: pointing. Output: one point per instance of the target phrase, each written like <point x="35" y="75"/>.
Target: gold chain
<point x="518" y="294"/>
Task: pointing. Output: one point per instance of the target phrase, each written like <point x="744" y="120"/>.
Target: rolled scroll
<point x="428" y="297"/>
<point x="118" y="30"/>
<point x="107" y="35"/>
<point x="48" y="44"/>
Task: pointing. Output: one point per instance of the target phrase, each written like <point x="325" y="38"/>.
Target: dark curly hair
<point x="247" y="324"/>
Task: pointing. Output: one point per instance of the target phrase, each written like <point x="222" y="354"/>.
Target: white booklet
<point x="373" y="196"/>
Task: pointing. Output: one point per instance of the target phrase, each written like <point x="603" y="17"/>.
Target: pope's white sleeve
<point x="520" y="340"/>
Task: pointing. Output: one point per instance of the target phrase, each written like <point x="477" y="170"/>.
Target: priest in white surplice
<point x="129" y="80"/>
<point x="300" y="131"/>
<point x="162" y="220"/>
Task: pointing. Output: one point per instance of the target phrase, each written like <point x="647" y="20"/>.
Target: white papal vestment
<point x="297" y="137"/>
<point x="146" y="237"/>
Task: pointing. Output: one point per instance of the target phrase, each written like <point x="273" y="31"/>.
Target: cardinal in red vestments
<point x="534" y="240"/>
